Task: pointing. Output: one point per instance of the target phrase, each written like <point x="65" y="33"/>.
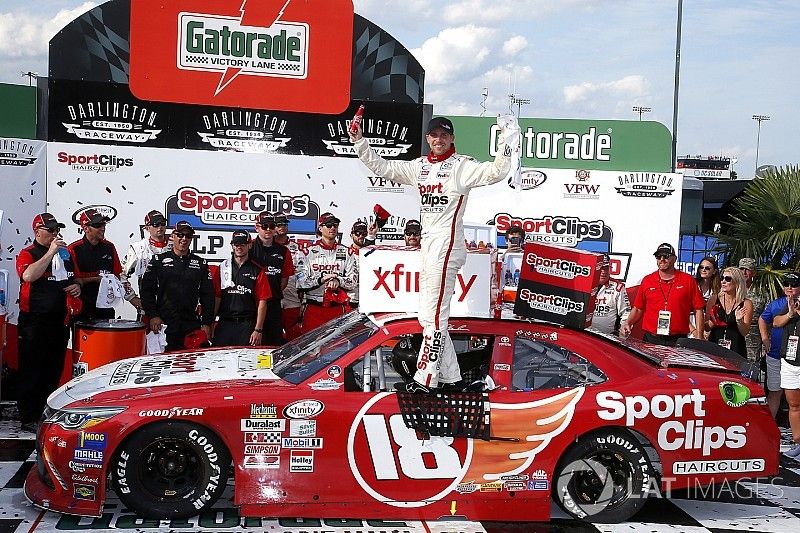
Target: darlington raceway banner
<point x="22" y="180"/>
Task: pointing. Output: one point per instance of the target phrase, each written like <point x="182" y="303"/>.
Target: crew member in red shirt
<point x="664" y="302"/>
<point x="45" y="283"/>
<point x="94" y="255"/>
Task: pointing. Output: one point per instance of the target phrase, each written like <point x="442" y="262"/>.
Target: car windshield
<point x="309" y="353"/>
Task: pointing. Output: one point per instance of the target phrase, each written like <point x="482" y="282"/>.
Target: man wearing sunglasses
<point x="277" y="262"/>
<point x="41" y="329"/>
<point x="291" y="304"/>
<point x="329" y="270"/>
<point x="140" y="252"/>
<point x="94" y="255"/>
<point x="444" y="180"/>
<point x="359" y="234"/>
<point x="772" y="335"/>
<point x="412" y="233"/>
<point x="789" y="320"/>
<point x="173" y="285"/>
<point x="664" y="301"/>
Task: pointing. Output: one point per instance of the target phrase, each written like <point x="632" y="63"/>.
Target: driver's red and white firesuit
<point x="321" y="304"/>
<point x="444" y="184"/>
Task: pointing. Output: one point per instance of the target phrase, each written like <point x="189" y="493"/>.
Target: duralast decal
<point x="16" y="153"/>
<point x="645" y="184"/>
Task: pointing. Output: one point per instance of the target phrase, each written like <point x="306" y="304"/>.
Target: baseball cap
<point x="359" y="225"/>
<point x="281" y="218"/>
<point x="747" y="262"/>
<point x="183" y="227"/>
<point x="664" y="248"/>
<point x="328" y="218"/>
<point x="240" y="237"/>
<point x="46" y="220"/>
<point x="92" y="216"/>
<point x="791" y="277"/>
<point x="441" y="122"/>
<point x="606" y="262"/>
<point x="413" y="226"/>
<point x="154" y="217"/>
<point x="264" y="218"/>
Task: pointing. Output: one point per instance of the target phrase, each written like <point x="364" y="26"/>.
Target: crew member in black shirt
<point x="94" y="255"/>
<point x="242" y="290"/>
<point x="41" y="331"/>
<point x="173" y="285"/>
<point x="277" y="262"/>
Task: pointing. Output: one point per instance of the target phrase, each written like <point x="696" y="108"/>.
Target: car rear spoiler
<point x="691" y="353"/>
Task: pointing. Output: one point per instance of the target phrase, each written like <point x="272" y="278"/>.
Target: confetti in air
<point x="309" y="176"/>
<point x="108" y="190"/>
<point x="61" y="183"/>
<point x="21" y="199"/>
<point x="334" y="205"/>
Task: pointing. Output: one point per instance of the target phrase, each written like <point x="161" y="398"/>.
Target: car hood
<point x="151" y="371"/>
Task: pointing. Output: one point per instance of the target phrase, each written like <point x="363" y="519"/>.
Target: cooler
<point x="105" y="341"/>
<point x="558" y="284"/>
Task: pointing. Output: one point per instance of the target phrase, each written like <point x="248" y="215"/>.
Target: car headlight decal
<point x="81" y="417"/>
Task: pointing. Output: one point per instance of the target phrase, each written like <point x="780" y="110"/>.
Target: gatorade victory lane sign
<point x="287" y="55"/>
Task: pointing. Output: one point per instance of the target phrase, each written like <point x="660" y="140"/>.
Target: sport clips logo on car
<point x="94" y="162"/>
<point x="559" y="268"/>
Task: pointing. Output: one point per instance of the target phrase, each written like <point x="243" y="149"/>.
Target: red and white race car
<point x="314" y="429"/>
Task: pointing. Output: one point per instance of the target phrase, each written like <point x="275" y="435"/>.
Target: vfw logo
<point x="236" y="46"/>
<point x="396" y="467"/>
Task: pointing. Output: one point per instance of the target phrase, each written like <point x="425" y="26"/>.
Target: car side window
<point x="474" y="354"/>
<point x="540" y="365"/>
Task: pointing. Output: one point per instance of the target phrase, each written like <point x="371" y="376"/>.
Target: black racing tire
<point x="603" y="478"/>
<point x="170" y="470"/>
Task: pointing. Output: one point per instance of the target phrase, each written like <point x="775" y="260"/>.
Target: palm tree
<point x="765" y="225"/>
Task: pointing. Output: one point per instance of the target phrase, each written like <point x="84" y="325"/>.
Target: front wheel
<point x="603" y="478"/>
<point x="170" y="470"/>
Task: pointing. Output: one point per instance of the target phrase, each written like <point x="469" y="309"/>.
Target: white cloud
<point x="634" y="86"/>
<point x="492" y="11"/>
<point x="515" y="45"/>
<point x="26" y="35"/>
<point x="455" y="53"/>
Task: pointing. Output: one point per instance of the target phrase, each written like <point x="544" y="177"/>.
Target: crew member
<point x="291" y="304"/>
<point x="140" y="252"/>
<point x="444" y="180"/>
<point x="329" y="271"/>
<point x="664" y="300"/>
<point x="41" y="331"/>
<point x="412" y="233"/>
<point x="173" y="285"/>
<point x="277" y="262"/>
<point x="242" y="291"/>
<point x="94" y="256"/>
<point x="359" y="235"/>
<point x="611" y="305"/>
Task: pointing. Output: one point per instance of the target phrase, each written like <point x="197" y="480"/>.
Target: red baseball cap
<point x="92" y="216"/>
<point x="154" y="217"/>
<point x="46" y="220"/>
<point x="326" y="218"/>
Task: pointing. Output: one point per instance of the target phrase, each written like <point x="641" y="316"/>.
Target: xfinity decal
<point x="303" y="409"/>
<point x="531" y="179"/>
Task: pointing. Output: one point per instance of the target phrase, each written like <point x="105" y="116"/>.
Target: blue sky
<point x="572" y="58"/>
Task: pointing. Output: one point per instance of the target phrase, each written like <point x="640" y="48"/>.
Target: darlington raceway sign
<point x="289" y="55"/>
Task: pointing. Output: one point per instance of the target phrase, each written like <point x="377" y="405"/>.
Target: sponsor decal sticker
<point x="531" y="179"/>
<point x="302" y="428"/>
<point x="325" y="384"/>
<point x="467" y="488"/>
<point x="263" y="424"/>
<point x="90" y="456"/>
<point x="334" y="371"/>
<point x="268" y="462"/>
<point x="495" y="486"/>
<point x="301" y="461"/>
<point x="77" y="466"/>
<point x="263" y="411"/>
<point x="262" y="449"/>
<point x="84" y="492"/>
<point x="538" y="484"/>
<point x="302" y="442"/>
<point x="261" y="437"/>
<point x="172" y="412"/>
<point x="92" y="441"/>
<point x="734" y="394"/>
<point x="718" y="467"/>
<point x="303" y="408"/>
<point x="82" y="478"/>
<point x="502" y="367"/>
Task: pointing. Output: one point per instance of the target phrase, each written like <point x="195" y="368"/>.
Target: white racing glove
<point x="510" y="130"/>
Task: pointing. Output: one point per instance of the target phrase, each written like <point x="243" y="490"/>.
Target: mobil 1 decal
<point x="241" y="130"/>
<point x="393" y="130"/>
<point x="560" y="230"/>
<point x="107" y="113"/>
<point x="393" y="465"/>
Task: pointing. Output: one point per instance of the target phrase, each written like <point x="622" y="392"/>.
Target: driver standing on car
<point x="444" y="179"/>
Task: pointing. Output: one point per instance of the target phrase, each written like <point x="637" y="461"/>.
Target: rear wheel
<point x="170" y="470"/>
<point x="604" y="477"/>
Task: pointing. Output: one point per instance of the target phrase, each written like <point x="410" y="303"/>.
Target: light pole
<point x="519" y="101"/>
<point x="759" y="119"/>
<point x="30" y="75"/>
<point x="639" y="109"/>
<point x="677" y="85"/>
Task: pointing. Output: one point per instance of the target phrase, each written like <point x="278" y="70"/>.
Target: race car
<point x="314" y="428"/>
